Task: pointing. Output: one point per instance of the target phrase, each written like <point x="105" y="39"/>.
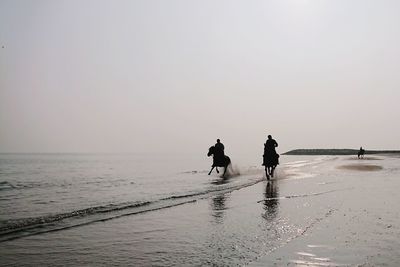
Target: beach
<point x="115" y="114"/>
<point x="317" y="211"/>
<point x="359" y="227"/>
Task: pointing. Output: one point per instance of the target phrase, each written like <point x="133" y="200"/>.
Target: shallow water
<point x="39" y="189"/>
<point x="140" y="210"/>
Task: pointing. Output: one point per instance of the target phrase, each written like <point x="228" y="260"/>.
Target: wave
<point x="4" y="185"/>
<point x="14" y="229"/>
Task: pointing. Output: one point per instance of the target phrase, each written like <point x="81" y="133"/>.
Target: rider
<point x="361" y="152"/>
<point x="219" y="150"/>
<point x="270" y="144"/>
<point x="269" y="148"/>
<point x="219" y="147"/>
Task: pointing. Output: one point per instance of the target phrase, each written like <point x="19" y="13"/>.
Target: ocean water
<point x="39" y="191"/>
<point x="162" y="210"/>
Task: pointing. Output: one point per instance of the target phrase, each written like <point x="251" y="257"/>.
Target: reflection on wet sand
<point x="218" y="207"/>
<point x="271" y="201"/>
<point x="221" y="181"/>
<point x="218" y="201"/>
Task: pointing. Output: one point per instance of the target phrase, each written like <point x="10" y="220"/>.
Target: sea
<point x="40" y="190"/>
<point x="162" y="210"/>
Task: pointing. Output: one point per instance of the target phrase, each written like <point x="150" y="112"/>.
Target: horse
<point x="361" y="153"/>
<point x="270" y="161"/>
<point x="218" y="162"/>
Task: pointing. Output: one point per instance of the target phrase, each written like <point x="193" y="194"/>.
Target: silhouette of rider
<point x="269" y="149"/>
<point x="270" y="145"/>
<point x="219" y="147"/>
<point x="219" y="151"/>
<point x="361" y="152"/>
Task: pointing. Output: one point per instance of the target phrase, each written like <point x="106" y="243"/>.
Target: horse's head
<point x="210" y="151"/>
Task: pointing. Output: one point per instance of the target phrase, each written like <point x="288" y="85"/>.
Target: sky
<point x="156" y="76"/>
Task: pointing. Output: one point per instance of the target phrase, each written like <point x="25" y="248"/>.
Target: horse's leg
<point x="216" y="168"/>
<point x="272" y="171"/>
<point x="227" y="164"/>
<point x="266" y="172"/>
<point x="211" y="170"/>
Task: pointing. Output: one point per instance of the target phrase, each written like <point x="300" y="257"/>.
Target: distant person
<point x="361" y="153"/>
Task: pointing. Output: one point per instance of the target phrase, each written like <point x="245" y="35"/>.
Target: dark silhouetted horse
<point x="270" y="161"/>
<point x="218" y="161"/>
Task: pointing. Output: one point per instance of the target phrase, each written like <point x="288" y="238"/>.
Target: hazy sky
<point x="172" y="76"/>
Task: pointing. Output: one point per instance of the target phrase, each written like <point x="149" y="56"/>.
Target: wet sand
<point x="365" y="158"/>
<point x="360" y="226"/>
<point x="360" y="167"/>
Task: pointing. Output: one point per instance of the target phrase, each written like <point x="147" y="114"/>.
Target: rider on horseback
<point x="270" y="155"/>
<point x="361" y="153"/>
<point x="219" y="152"/>
<point x="219" y="157"/>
